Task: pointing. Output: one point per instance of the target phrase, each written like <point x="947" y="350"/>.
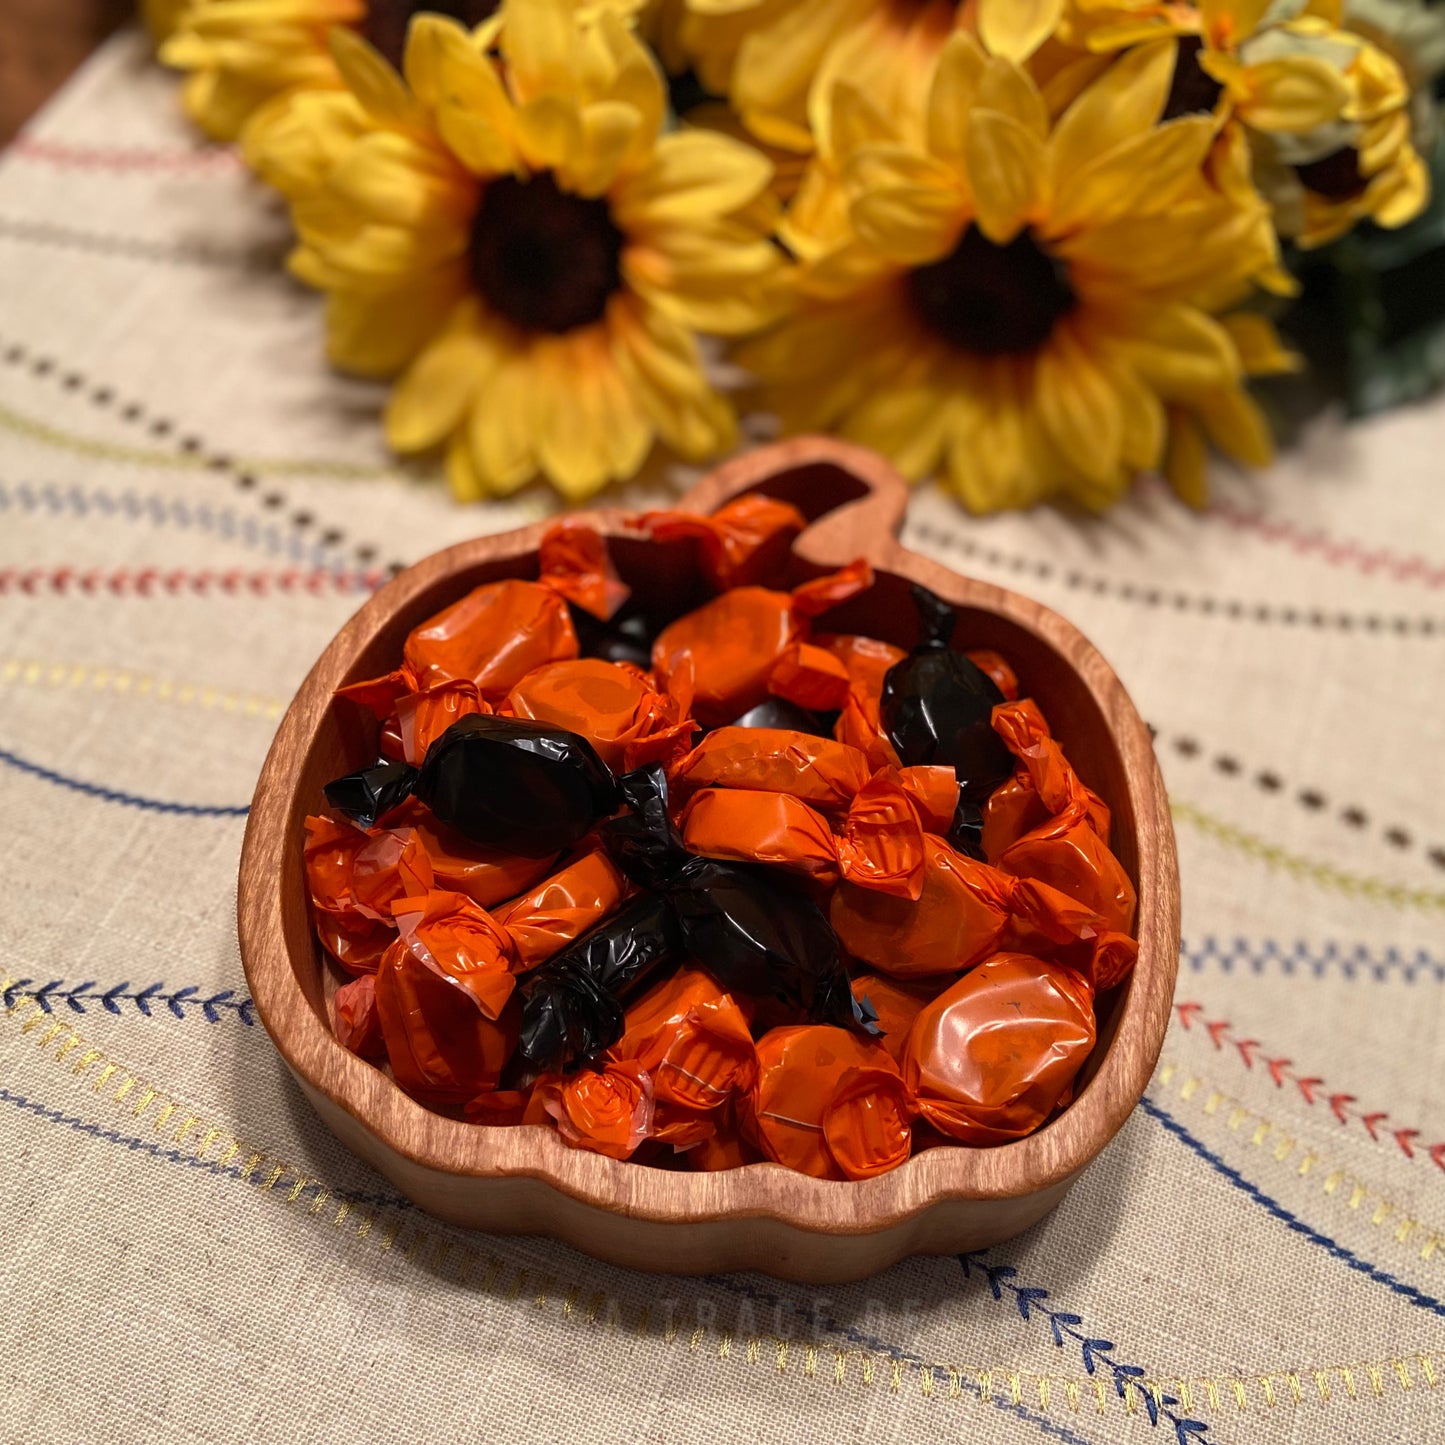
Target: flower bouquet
<point x="1032" y="248"/>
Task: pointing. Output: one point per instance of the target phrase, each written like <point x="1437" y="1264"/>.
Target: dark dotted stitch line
<point x="162" y="429"/>
<point x="1351" y="814"/>
<point x="138" y="248"/>
<point x="1232" y="609"/>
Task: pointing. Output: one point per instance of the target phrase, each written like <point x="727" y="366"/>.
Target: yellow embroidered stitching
<point x="1312" y="870"/>
<point x="31" y="672"/>
<point x="509" y="1282"/>
<point x="86" y="446"/>
<point x="1332" y="1178"/>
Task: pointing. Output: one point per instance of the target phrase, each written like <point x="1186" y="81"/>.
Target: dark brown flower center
<point x="386" y="20"/>
<point x="544" y="259"/>
<point x="992" y="300"/>
<point x="1193" y="91"/>
<point x="1336" y="176"/>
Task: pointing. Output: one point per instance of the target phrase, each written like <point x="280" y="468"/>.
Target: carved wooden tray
<point x="764" y="1217"/>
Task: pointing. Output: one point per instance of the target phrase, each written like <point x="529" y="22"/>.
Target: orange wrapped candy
<point x="611" y="704"/>
<point x="355" y="1021"/>
<point x="896" y="1003"/>
<point x="742" y="542"/>
<point x="866" y="661"/>
<point x="563" y="908"/>
<point x="992" y="1056"/>
<point x="693" y="1040"/>
<point x="444" y="994"/>
<point x="879" y="846"/>
<point x="499" y="1108"/>
<point x="608" y="1110"/>
<point x="997" y="669"/>
<point x="422" y="717"/>
<point x="485" y="875"/>
<point x="724" y="1148"/>
<point x="733" y="642"/>
<point x="829" y="1103"/>
<point x="475" y="651"/>
<point x="817" y="771"/>
<point x="959" y="917"/>
<point x="1069" y="851"/>
<point x="354" y="877"/>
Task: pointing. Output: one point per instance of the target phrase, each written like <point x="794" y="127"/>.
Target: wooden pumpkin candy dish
<point x="525" y="1178"/>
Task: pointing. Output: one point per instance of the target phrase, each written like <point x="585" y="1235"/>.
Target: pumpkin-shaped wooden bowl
<point x="525" y="1180"/>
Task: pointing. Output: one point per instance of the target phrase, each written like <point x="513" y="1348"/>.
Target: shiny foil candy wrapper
<point x="707" y="883"/>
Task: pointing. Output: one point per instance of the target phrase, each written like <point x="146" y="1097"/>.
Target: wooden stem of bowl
<point x="762" y="1216"/>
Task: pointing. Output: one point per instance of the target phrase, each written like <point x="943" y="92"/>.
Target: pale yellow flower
<point x="1326" y="113"/>
<point x="1017" y="302"/>
<point x="517" y="237"/>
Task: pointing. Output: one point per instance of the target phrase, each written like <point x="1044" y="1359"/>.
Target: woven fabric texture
<point x="191" y="504"/>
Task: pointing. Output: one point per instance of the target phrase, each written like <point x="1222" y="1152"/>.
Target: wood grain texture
<point x="764" y="1217"/>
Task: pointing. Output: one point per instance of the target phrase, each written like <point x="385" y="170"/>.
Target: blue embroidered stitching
<point x="1353" y="963"/>
<point x="114" y="795"/>
<point x="1095" y="1351"/>
<point x="1292" y="1221"/>
<point x="893" y="1352"/>
<point x="162" y="511"/>
<point x="79" y="995"/>
<point x="308" y="1187"/>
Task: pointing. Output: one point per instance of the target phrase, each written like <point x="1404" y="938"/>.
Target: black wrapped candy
<point x="778" y="712"/>
<point x="937" y="707"/>
<point x="573" y="1009"/>
<point x="516" y="785"/>
<point x="372" y="793"/>
<point x="753" y="935"/>
<point x="507" y="783"/>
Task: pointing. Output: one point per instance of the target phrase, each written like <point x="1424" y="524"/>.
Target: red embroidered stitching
<point x="153" y="582"/>
<point x="1312" y="1089"/>
<point x="1332" y="550"/>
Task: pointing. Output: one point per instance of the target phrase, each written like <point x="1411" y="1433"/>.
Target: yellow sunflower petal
<point x="1006" y="168"/>
<point x="574" y="447"/>
<point x="954" y="93"/>
<point x="378" y="336"/>
<point x="501" y="426"/>
<point x="537" y="44"/>
<point x="1237" y="426"/>
<point x="1124" y="102"/>
<point x="1293" y="95"/>
<point x="1177" y="349"/>
<point x="1227" y="22"/>
<point x="1185" y="463"/>
<point x="549" y="131"/>
<point x="381" y="91"/>
<point x="430" y="400"/>
<point x="1016" y="28"/>
<point x="1258" y="345"/>
<point x="693" y="174"/>
<point x="391" y="178"/>
<point x="1078" y="408"/>
<point x="1005" y="88"/>
<point x="462" y="476"/>
<point x="1144" y="175"/>
<point x="909" y="225"/>
<point x="609" y="130"/>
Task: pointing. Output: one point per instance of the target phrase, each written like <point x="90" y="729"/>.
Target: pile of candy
<point x="718" y="887"/>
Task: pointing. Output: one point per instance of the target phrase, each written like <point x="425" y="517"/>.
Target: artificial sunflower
<point x="241" y="55"/>
<point x="1024" y="301"/>
<point x="518" y="238"/>
<point x="1325" y="112"/>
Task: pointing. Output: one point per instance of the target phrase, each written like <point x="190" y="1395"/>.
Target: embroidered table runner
<point x="192" y="505"/>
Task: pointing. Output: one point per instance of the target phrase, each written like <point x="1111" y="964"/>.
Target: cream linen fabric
<point x="1259" y="1257"/>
